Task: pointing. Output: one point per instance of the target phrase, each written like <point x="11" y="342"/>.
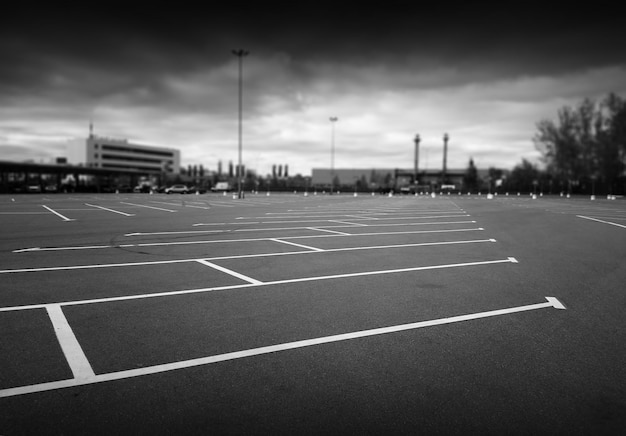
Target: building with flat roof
<point x="123" y="155"/>
<point x="384" y="178"/>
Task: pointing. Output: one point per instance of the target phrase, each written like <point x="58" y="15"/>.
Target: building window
<point x="96" y="155"/>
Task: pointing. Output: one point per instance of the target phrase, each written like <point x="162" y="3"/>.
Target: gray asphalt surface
<point x="146" y="289"/>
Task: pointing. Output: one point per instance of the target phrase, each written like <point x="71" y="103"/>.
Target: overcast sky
<point x="388" y="70"/>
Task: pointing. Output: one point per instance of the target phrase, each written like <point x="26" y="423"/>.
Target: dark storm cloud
<point x="483" y="39"/>
<point x="484" y="72"/>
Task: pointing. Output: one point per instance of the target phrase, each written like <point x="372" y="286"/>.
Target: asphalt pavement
<point x="317" y="314"/>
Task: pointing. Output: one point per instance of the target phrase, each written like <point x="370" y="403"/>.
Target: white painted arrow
<point x="26" y="250"/>
<point x="87" y="247"/>
<point x="87" y="379"/>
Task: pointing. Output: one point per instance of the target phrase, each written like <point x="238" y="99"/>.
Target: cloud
<point x="482" y="74"/>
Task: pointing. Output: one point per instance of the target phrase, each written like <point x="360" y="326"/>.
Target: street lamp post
<point x="333" y="120"/>
<point x="445" y="157"/>
<point x="417" y="156"/>
<point x="240" y="54"/>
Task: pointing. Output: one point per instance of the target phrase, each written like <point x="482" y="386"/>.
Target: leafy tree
<point x="523" y="176"/>
<point x="586" y="143"/>
<point x="470" y="179"/>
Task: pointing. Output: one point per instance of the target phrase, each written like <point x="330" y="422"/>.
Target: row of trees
<point x="584" y="151"/>
<point x="585" y="148"/>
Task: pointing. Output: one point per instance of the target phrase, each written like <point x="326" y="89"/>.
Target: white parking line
<point x="552" y="303"/>
<point x="69" y="344"/>
<point x="57" y="213"/>
<point x="230" y="272"/>
<point x="602" y="221"/>
<point x="168" y="204"/>
<point x="110" y="210"/>
<point x="149" y="207"/>
<point x="86" y="247"/>
<point x="216" y="241"/>
<point x="348" y="223"/>
<point x="178" y="233"/>
<point x="241" y="256"/>
<point x="329" y="231"/>
<point x="248" y="285"/>
<point x="340" y="215"/>
<point x="23" y="213"/>
<point x="297" y="245"/>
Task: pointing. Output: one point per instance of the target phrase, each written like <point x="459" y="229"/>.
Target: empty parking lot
<point x="316" y="314"/>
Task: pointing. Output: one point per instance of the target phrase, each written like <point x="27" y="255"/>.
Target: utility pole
<point x="417" y="156"/>
<point x="333" y="120"/>
<point x="445" y="157"/>
<point x="240" y="54"/>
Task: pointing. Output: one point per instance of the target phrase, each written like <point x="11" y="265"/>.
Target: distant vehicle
<point x="221" y="187"/>
<point x="51" y="188"/>
<point x="34" y="188"/>
<point x="177" y="189"/>
<point x="144" y="189"/>
<point x="198" y="189"/>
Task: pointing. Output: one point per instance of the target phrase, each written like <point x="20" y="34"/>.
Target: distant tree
<point x="374" y="177"/>
<point x="470" y="179"/>
<point x="586" y="143"/>
<point x="286" y="171"/>
<point x="274" y="171"/>
<point x="388" y="180"/>
<point x="230" y="169"/>
<point x="201" y="170"/>
<point x="524" y="176"/>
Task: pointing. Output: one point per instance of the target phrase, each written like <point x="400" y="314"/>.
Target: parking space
<point x="288" y="277"/>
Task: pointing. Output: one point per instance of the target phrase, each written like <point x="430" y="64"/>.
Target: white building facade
<point x="120" y="154"/>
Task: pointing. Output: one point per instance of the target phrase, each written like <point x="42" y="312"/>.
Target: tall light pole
<point x="417" y="156"/>
<point x="333" y="120"/>
<point x="240" y="54"/>
<point x="445" y="157"/>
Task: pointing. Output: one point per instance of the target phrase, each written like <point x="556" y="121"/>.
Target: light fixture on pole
<point x="240" y="54"/>
<point x="333" y="120"/>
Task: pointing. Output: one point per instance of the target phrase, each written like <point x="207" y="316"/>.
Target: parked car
<point x="177" y="189"/>
<point x="143" y="189"/>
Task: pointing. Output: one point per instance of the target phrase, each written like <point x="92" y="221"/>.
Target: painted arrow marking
<point x="87" y="379"/>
